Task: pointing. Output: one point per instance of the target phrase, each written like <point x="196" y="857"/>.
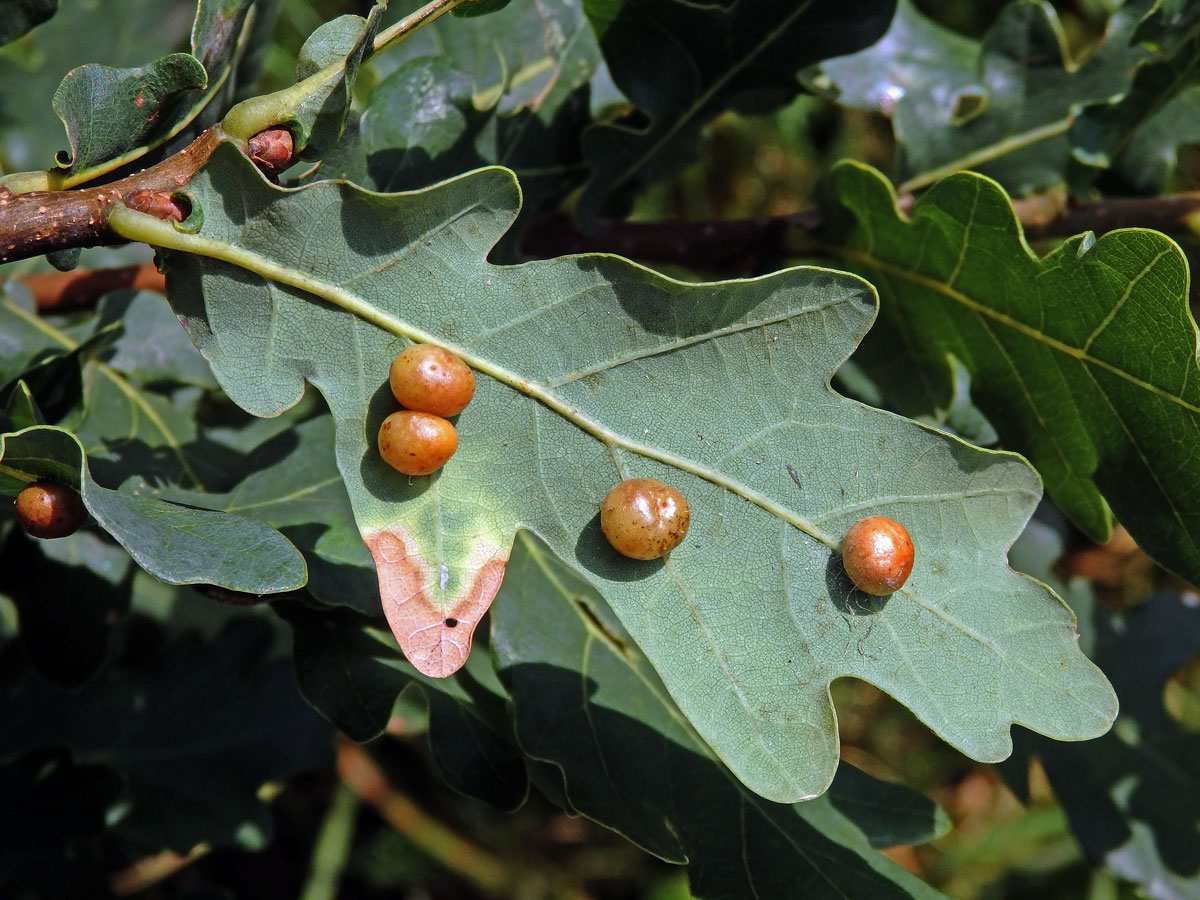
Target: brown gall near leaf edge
<point x="644" y="518"/>
<point x="47" y="509"/>
<point x="878" y="555"/>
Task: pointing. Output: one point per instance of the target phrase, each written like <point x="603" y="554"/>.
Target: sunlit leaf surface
<point x="591" y="370"/>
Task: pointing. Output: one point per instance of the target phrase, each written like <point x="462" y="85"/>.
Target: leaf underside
<point x="173" y="543"/>
<point x="751" y="618"/>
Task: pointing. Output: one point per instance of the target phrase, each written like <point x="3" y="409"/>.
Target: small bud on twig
<point x="159" y="204"/>
<point x="272" y="149"/>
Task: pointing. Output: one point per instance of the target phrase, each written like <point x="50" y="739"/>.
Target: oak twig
<point x="1172" y="214"/>
<point x="151" y="870"/>
<point x="411" y="23"/>
<point x="721" y="245"/>
<point x="40" y="222"/>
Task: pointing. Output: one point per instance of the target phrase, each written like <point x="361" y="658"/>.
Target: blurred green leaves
<point x="141" y="720"/>
<point x="1002" y="106"/>
<point x="680" y="63"/>
<point x="20" y="16"/>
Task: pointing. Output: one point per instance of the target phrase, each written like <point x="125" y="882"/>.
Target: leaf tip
<point x="435" y="640"/>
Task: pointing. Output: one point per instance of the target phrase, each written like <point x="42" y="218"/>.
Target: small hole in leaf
<point x="451" y="623"/>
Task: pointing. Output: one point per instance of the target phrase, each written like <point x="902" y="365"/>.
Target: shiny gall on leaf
<point x="878" y="555"/>
<point x="431" y="379"/>
<point x="644" y="518"/>
<point x="47" y="509"/>
<point x="416" y="443"/>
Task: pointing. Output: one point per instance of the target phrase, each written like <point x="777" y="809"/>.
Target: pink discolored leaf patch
<point x="436" y="641"/>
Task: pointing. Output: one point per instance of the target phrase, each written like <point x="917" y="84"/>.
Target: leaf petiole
<point x="410" y="24"/>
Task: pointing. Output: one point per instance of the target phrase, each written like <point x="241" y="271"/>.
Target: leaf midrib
<point x="143" y="227"/>
<point x="1077" y="353"/>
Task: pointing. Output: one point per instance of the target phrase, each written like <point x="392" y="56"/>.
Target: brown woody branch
<point x="725" y="245"/>
<point x="742" y="245"/>
<point x="40" y="222"/>
<point x="1170" y="214"/>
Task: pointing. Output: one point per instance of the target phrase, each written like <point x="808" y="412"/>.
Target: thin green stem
<point x="18" y="474"/>
<point x="412" y="23"/>
<point x="256" y="114"/>
<point x="332" y="849"/>
<point x="986" y="155"/>
<point x="136" y="226"/>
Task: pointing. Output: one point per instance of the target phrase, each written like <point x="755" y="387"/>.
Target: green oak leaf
<point x="1102" y="131"/>
<point x="49" y="361"/>
<point x="509" y="89"/>
<point x="20" y="410"/>
<point x="1002" y="106"/>
<point x="230" y="39"/>
<point x="173" y="543"/>
<point x="591" y="369"/>
<point x="127" y="382"/>
<point x="421" y="126"/>
<point x="681" y="63"/>
<point x="20" y="16"/>
<point x="1132" y="797"/>
<point x="1084" y="360"/>
<point x="114" y="115"/>
<point x="527" y="56"/>
<point x="294" y="486"/>
<point x="151" y="346"/>
<point x="1148" y="117"/>
<point x="584" y="697"/>
<point x="887" y="814"/>
<point x="107" y="111"/>
<point x="1150" y="155"/>
<point x="28" y="341"/>
<point x="30" y="132"/>
<point x="415" y="130"/>
<point x="330" y="58"/>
